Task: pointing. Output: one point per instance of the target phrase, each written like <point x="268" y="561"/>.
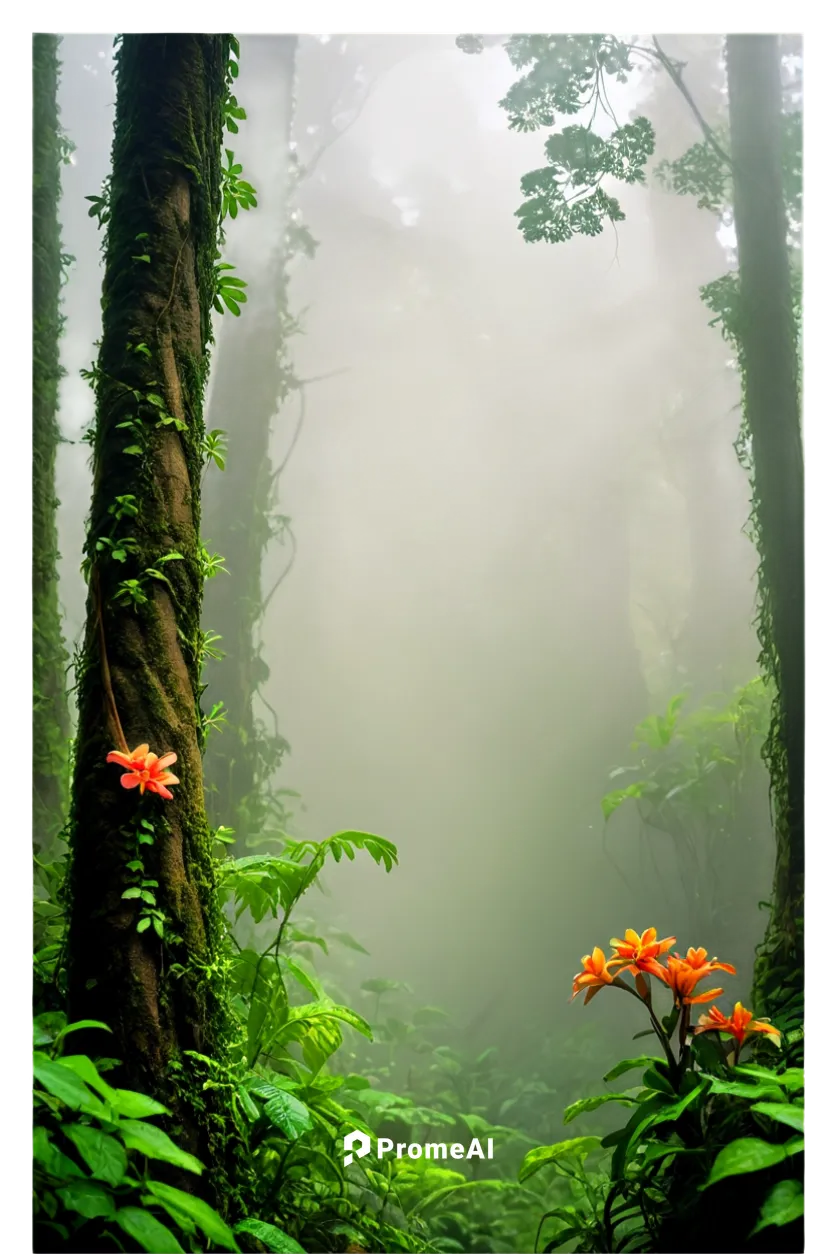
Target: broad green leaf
<point x="135" y="1105"/>
<point x="274" y="1240"/>
<point x="611" y="802"/>
<point x="68" y="1087"/>
<point x="629" y="1064"/>
<point x="323" y="1009"/>
<point x="782" y="1112"/>
<point x="784" y="1205"/>
<point x="82" y="1026"/>
<point x="579" y="1147"/>
<point x="87" y="1071"/>
<point x="52" y="1159"/>
<point x="379" y="987"/>
<point x="592" y="1103"/>
<point x="345" y="938"/>
<point x="792" y="1079"/>
<point x="103" y="1154"/>
<point x="47" y="1026"/>
<point x="287" y="1112"/>
<point x="739" y="1088"/>
<point x="154" y="1143"/>
<point x="749" y="1153"/>
<point x="307" y="980"/>
<point x="89" y="1200"/>
<point x="147" y="1231"/>
<point x="207" y="1219"/>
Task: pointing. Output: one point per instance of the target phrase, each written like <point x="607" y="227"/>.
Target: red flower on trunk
<point x="144" y="770"/>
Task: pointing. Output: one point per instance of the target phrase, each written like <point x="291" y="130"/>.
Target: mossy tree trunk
<point x="161" y="995"/>
<point x="768" y="347"/>
<point x="50" y="714"/>
<point x="251" y="380"/>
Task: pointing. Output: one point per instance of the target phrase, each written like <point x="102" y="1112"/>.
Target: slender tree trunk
<point x="50" y="717"/>
<point x="697" y="393"/>
<point x="769" y="364"/>
<point x="161" y="994"/>
<point x="251" y="380"/>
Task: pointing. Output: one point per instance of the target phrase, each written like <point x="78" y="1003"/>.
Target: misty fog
<point x="518" y="512"/>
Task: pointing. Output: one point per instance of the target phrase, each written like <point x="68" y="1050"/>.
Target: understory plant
<point x="711" y="1155"/>
<point x="696" y="788"/>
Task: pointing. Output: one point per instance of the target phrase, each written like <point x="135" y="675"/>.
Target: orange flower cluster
<point x="638" y="955"/>
<point x="145" y="770"/>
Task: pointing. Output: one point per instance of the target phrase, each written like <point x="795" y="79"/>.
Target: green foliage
<point x="566" y="74"/>
<point x="692" y="783"/>
<point x="96" y="1153"/>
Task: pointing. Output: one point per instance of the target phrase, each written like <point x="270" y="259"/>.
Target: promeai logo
<point x="361" y="1144"/>
<point x="357" y="1140"/>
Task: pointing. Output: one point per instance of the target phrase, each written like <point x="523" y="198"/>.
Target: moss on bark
<point x="161" y="997"/>
<point x="767" y="343"/>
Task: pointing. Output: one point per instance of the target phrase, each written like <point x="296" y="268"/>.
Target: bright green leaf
<point x="147" y="1231"/>
<point x="207" y="1219"/>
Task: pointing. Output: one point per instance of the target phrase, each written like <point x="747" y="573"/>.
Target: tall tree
<point x="50" y="716"/>
<point x="145" y="929"/>
<point x="696" y="392"/>
<point x="251" y="380"/>
<point x="766" y="336"/>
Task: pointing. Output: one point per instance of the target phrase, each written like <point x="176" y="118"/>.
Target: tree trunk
<point x="50" y="714"/>
<point x="696" y="391"/>
<point x="769" y="366"/>
<point x="251" y="380"/>
<point x="161" y="995"/>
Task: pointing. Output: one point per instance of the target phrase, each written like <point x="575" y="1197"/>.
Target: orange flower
<point x="740" y="1025"/>
<point x="146" y="770"/>
<point x="594" y="976"/>
<point x="640" y="953"/>
<point x="683" y="974"/>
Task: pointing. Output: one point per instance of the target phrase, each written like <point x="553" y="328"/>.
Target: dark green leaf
<point x="784" y="1205"/>
<point x="88" y="1200"/>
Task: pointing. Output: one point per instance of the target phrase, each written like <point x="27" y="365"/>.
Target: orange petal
<point x="130" y="781"/>
<point x="168" y="759"/>
<point x="167" y="778"/>
<point x="139" y="752"/>
<point x="760" y="1025"/>
<point x="121" y="758"/>
<point x="150" y="759"/>
<point x="712" y="993"/>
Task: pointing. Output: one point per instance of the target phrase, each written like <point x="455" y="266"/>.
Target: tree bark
<point x="769" y="365"/>
<point x="251" y="381"/>
<point x="141" y="661"/>
<point x="50" y="713"/>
